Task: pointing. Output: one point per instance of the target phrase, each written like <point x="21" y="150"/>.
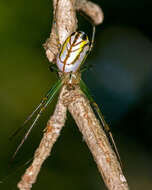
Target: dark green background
<point x="120" y="80"/>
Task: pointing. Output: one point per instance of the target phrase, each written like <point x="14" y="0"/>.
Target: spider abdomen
<point x="73" y="52"/>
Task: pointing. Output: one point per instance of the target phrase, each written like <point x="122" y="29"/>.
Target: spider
<point x="70" y="64"/>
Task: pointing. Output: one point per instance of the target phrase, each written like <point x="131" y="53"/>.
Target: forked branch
<point x="78" y="105"/>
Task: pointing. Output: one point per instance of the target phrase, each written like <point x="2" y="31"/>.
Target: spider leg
<point x="92" y="39"/>
<point x="102" y="121"/>
<point x="43" y="101"/>
<point x="49" y="97"/>
<point x="86" y="67"/>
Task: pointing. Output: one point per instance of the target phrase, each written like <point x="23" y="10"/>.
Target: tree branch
<point x="91" y="10"/>
<point x="77" y="104"/>
<point x="97" y="141"/>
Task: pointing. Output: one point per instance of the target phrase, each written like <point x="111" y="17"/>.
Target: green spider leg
<point x="105" y="126"/>
<point x="41" y="107"/>
<point x="86" y="67"/>
<point x="92" y="39"/>
<point x="44" y="99"/>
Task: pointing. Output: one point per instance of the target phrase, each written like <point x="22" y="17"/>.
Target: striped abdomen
<point x="73" y="52"/>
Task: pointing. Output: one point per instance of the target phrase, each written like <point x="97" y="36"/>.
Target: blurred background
<point x="120" y="81"/>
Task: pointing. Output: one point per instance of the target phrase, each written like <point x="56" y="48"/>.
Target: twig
<point x="77" y="104"/>
<point x="97" y="141"/>
<point x="91" y="10"/>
